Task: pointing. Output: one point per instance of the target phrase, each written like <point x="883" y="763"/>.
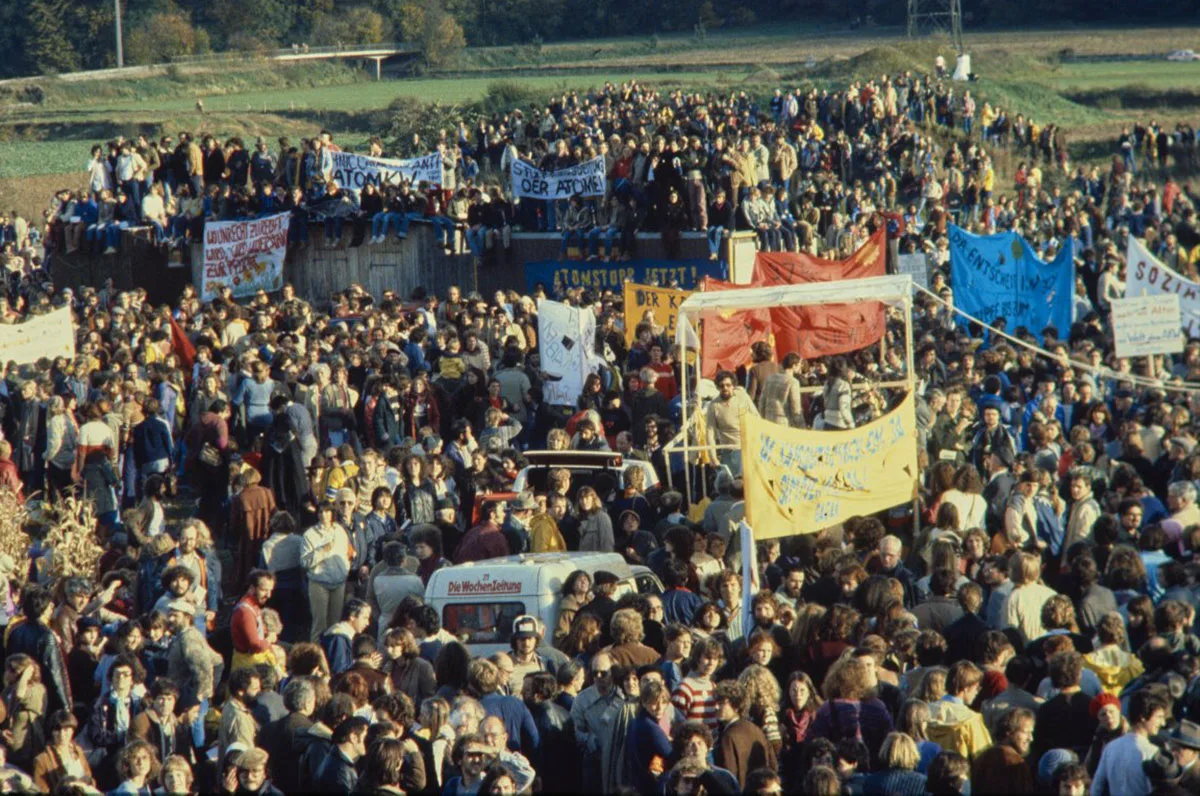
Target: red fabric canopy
<point x="811" y="331"/>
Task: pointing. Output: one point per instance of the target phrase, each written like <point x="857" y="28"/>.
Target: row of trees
<point x="40" y="36"/>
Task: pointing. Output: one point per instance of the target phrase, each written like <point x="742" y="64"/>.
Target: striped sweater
<point x="695" y="700"/>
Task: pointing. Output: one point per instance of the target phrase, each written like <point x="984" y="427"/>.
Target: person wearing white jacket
<point x="325" y="554"/>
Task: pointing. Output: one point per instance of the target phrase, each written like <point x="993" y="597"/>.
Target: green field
<point x="270" y="113"/>
<point x="1160" y="75"/>
<point x="1020" y="70"/>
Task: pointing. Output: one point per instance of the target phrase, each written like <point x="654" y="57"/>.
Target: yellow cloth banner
<point x="662" y="301"/>
<point x="802" y="481"/>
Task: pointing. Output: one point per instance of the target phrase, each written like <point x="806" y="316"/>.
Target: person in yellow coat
<point x="544" y="535"/>
<point x="1114" y="666"/>
<point x="952" y="723"/>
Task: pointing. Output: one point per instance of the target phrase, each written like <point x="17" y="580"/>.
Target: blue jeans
<point x="444" y="227"/>
<point x="968" y="123"/>
<point x="382" y="222"/>
<point x="298" y="230"/>
<point x="715" y="234"/>
<point x="160" y="234"/>
<point x="607" y="234"/>
<point x="112" y="234"/>
<point x="177" y="227"/>
<point x="568" y="234"/>
<point x="477" y="239"/>
<point x="333" y="228"/>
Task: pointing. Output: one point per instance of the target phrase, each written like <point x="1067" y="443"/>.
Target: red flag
<point x="183" y="348"/>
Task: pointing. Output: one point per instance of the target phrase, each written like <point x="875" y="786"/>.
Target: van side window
<point x="482" y="623"/>
<point x="648" y="584"/>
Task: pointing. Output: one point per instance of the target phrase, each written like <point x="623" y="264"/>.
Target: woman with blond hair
<point x="897" y="775"/>
<point x="763" y="698"/>
<point x="1023" y="607"/>
<point x="913" y="721"/>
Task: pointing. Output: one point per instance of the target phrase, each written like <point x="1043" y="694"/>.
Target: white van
<point x="478" y="601"/>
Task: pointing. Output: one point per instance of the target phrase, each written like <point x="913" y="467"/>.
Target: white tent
<point x="892" y="290"/>
<point x="895" y="291"/>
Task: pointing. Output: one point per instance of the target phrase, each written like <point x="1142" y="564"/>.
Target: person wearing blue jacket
<point x="153" y="445"/>
<point x="647" y="747"/>
<point x="338" y="641"/>
<point x="254" y="397"/>
<point x="485" y="679"/>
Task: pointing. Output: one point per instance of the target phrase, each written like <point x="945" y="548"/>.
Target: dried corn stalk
<point x="68" y="528"/>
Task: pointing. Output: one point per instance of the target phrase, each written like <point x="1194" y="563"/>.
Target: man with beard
<point x="191" y="663"/>
<point x="237" y="720"/>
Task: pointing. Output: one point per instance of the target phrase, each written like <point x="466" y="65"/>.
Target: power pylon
<point x="936" y="16"/>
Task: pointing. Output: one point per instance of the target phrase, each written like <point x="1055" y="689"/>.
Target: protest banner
<point x="1000" y="276"/>
<point x="802" y="481"/>
<point x="917" y="265"/>
<point x="1146" y="275"/>
<point x="567" y="341"/>
<point x="355" y="171"/>
<point x="247" y="256"/>
<point x="50" y="335"/>
<point x="662" y="301"/>
<point x="1146" y="325"/>
<point x="556" y="274"/>
<point x="584" y="179"/>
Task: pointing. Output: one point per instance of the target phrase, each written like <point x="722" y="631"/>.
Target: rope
<point x="1100" y="372"/>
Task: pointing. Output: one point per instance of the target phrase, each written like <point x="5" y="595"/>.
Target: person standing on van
<point x="485" y="540"/>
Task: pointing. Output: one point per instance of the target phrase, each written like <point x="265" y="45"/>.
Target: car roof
<point x="573" y="459"/>
<point x="588" y="562"/>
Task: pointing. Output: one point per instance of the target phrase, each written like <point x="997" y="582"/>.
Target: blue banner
<point x="613" y="276"/>
<point x="1001" y="276"/>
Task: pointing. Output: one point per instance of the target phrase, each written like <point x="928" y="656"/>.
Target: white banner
<point x="355" y="171"/>
<point x="1146" y="275"/>
<point x="566" y="339"/>
<point x="50" y="335"/>
<point x="916" y="264"/>
<point x="247" y="256"/>
<point x="586" y="179"/>
<point x="1147" y="325"/>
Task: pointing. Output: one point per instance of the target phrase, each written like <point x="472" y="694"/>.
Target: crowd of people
<point x="1036" y="633"/>
<point x="674" y="161"/>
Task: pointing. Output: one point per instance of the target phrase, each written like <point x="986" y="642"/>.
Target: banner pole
<point x="749" y="575"/>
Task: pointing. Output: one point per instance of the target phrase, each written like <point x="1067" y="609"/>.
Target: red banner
<point x="823" y="330"/>
<point x="726" y="337"/>
<point x="811" y="331"/>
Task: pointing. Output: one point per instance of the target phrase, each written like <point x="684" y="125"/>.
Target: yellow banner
<point x="802" y="481"/>
<point x="662" y="301"/>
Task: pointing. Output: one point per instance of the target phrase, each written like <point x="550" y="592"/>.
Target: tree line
<point x="51" y="36"/>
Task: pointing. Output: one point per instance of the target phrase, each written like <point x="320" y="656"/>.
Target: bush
<point x="165" y="36"/>
<point x="504" y="95"/>
<point x="408" y="115"/>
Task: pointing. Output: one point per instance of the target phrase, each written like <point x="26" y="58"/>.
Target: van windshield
<point x="482" y="623"/>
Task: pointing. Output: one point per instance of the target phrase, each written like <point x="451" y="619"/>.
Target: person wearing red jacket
<point x="485" y="540"/>
<point x="9" y="475"/>
<point x="250" y="644"/>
